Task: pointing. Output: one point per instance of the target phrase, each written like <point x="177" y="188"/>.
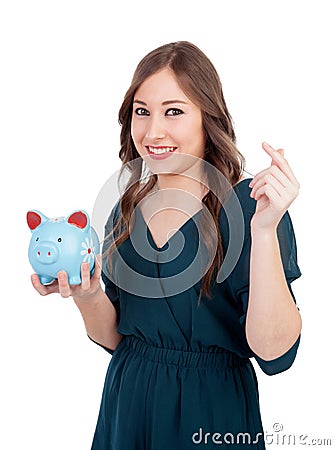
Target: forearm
<point x="273" y="321"/>
<point x="100" y="319"/>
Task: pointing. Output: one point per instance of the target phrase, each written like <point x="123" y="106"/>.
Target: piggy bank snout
<point x="46" y="252"/>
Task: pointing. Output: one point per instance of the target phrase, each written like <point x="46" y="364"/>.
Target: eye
<point x="37" y="239"/>
<point x="174" y="112"/>
<point x="142" y="112"/>
<point x="59" y="239"/>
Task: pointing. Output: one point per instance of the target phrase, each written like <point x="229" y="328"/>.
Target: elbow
<point x="109" y="347"/>
<point x="272" y="343"/>
<point x="117" y="341"/>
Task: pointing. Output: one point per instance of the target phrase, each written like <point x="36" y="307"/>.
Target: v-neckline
<point x="172" y="235"/>
<point x="182" y="226"/>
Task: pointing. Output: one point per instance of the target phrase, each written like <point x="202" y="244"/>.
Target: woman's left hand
<point x="274" y="189"/>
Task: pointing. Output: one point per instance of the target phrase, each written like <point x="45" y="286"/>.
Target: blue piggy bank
<point x="61" y="244"/>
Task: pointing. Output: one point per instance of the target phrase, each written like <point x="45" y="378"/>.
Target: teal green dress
<point x="182" y="377"/>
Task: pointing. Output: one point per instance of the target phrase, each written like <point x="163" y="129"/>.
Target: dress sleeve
<point x="240" y="286"/>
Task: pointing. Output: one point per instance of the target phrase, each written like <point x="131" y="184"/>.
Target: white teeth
<point x="158" y="151"/>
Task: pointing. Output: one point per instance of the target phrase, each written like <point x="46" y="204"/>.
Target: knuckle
<point x="85" y="266"/>
<point x="85" y="287"/>
<point x="275" y="170"/>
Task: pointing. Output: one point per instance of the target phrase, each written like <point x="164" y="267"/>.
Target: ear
<point x="79" y="219"/>
<point x="35" y="218"/>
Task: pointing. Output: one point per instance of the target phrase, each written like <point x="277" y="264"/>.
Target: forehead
<point x="161" y="86"/>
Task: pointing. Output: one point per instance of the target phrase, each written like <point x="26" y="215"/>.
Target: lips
<point x="160" y="152"/>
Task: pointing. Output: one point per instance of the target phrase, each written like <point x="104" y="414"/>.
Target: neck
<point x="184" y="183"/>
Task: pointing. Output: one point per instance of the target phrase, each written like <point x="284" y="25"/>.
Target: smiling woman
<point x="174" y="117"/>
<point x="201" y="130"/>
<point x="181" y="324"/>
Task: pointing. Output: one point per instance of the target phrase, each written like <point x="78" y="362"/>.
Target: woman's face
<point x="166" y="124"/>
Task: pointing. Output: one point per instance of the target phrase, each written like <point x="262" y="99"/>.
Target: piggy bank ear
<point x="79" y="219"/>
<point x="35" y="218"/>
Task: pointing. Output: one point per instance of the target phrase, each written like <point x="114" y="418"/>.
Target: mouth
<point x="160" y="152"/>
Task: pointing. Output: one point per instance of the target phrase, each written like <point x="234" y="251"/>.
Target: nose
<point x="46" y="252"/>
<point x="156" y="128"/>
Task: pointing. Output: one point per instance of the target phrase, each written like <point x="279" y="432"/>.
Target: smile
<point x="160" y="152"/>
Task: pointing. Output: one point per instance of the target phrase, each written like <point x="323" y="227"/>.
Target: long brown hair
<point x="200" y="82"/>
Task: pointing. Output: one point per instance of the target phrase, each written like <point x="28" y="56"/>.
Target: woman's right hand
<point x="85" y="291"/>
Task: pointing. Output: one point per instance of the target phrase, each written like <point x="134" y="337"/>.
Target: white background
<point x="65" y="67"/>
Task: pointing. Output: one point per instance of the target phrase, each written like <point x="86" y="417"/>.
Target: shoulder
<point x="113" y="217"/>
<point x="236" y="212"/>
<point x="248" y="207"/>
<point x="285" y="230"/>
<point x="242" y="192"/>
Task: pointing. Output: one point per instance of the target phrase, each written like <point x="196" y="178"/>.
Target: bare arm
<point x="98" y="312"/>
<point x="273" y="322"/>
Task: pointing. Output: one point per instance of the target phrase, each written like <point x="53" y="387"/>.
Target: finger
<point x="270" y="192"/>
<point x="279" y="160"/>
<point x="268" y="179"/>
<point x="85" y="276"/>
<point x="41" y="288"/>
<point x="275" y="171"/>
<point x="64" y="287"/>
<point x="97" y="268"/>
<point x="273" y="153"/>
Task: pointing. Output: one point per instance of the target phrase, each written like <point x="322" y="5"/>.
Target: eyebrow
<point x="167" y="102"/>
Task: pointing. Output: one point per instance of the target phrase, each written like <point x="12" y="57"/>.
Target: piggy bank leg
<point x="45" y="279"/>
<point x="75" y="279"/>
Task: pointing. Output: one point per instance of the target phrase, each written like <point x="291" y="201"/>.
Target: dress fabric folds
<point x="183" y="375"/>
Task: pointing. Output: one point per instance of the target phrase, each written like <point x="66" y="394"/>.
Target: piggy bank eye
<point x="59" y="239"/>
<point x="37" y="239"/>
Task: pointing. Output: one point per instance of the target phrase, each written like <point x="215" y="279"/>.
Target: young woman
<point x="180" y="321"/>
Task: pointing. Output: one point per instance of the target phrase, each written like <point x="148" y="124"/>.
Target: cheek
<point x="194" y="134"/>
<point x="200" y="133"/>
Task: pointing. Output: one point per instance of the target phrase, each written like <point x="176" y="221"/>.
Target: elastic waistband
<point x="216" y="357"/>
